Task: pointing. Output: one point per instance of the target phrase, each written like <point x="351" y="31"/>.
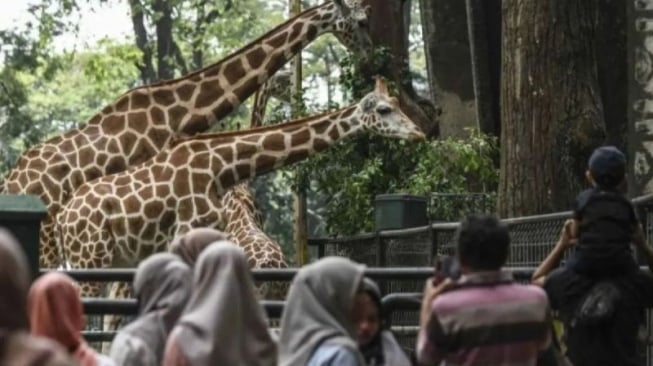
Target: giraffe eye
<point x="362" y="23"/>
<point x="383" y="109"/>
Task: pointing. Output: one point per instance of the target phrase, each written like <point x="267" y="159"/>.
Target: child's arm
<point x="639" y="239"/>
<point x="553" y="259"/>
<point x="572" y="228"/>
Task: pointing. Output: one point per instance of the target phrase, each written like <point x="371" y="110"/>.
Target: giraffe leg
<point x="118" y="290"/>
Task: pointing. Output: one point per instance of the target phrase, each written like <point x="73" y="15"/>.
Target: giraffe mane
<point x="241" y="50"/>
<point x="220" y="135"/>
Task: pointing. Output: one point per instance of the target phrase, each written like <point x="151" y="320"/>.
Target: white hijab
<point x="223" y="323"/>
<point x="318" y="309"/>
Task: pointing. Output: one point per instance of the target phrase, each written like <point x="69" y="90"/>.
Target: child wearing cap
<point x="604" y="220"/>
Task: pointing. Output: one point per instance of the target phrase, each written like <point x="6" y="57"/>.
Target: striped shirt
<point x="489" y="320"/>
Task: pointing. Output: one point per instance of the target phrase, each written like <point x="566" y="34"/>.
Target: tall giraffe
<point x="144" y="120"/>
<point x="117" y="220"/>
<point x="243" y="222"/>
<point x="278" y="87"/>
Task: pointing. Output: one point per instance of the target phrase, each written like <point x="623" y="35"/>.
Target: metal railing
<point x="393" y="303"/>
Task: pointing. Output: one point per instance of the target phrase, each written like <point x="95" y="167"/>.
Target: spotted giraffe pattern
<point x="144" y="121"/>
<point x="117" y="220"/>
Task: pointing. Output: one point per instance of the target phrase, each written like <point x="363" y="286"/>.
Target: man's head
<point x="607" y="166"/>
<point x="483" y="243"/>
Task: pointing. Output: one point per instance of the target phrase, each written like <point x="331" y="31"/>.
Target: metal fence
<point x="532" y="238"/>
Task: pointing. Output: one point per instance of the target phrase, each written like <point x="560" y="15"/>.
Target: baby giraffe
<point x="118" y="220"/>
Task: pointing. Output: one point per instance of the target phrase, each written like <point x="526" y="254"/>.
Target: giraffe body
<point x="144" y="121"/>
<point x="120" y="219"/>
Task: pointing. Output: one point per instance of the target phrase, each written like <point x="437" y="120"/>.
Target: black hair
<point x="483" y="243"/>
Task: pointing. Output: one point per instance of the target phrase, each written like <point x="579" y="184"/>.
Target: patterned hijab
<point x="162" y="286"/>
<point x="318" y="308"/>
<point x="55" y="311"/>
<point x="223" y="323"/>
<point x="188" y="246"/>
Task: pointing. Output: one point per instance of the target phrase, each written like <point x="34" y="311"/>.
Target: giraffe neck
<point x="245" y="154"/>
<point x="285" y="144"/>
<point x="208" y="95"/>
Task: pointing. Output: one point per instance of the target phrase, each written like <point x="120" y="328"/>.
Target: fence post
<point x="380" y="247"/>
<point x="433" y="238"/>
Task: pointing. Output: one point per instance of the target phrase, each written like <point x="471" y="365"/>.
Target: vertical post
<point x="299" y="204"/>
<point x="640" y="124"/>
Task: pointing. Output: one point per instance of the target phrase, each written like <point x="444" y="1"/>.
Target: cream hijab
<point x="223" y="323"/>
<point x="162" y="285"/>
<point x="318" y="309"/>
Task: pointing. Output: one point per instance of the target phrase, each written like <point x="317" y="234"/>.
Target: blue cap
<point x="608" y="166"/>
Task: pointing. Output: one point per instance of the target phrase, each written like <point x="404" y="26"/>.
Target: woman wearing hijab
<point x="188" y="246"/>
<point x="223" y="323"/>
<point x="55" y="311"/>
<point x="17" y="346"/>
<point x="378" y="345"/>
<point x="317" y="325"/>
<point x="162" y="285"/>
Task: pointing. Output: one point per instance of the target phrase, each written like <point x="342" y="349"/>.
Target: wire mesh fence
<point x="532" y="238"/>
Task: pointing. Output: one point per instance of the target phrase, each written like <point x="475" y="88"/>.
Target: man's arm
<point x="429" y="327"/>
<point x="553" y="259"/>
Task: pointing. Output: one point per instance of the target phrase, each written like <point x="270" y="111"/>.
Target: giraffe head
<point x="380" y="113"/>
<point x="352" y="26"/>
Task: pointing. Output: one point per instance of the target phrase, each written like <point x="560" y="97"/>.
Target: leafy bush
<point x="352" y="173"/>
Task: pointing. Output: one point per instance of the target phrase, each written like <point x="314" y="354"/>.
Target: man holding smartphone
<point x="483" y="317"/>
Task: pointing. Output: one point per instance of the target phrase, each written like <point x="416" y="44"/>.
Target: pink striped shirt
<point x="488" y="320"/>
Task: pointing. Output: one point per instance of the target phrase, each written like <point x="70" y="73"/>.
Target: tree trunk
<point x="612" y="58"/>
<point x="146" y="67"/>
<point x="165" y="48"/>
<point x="551" y="108"/>
<point x="484" y="25"/>
<point x="446" y="46"/>
<point x="393" y="35"/>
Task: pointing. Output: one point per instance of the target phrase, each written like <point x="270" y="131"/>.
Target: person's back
<point x="604" y="220"/>
<point x="483" y="318"/>
<point x="488" y="322"/>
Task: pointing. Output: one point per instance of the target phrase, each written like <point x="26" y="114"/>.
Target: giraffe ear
<point x="381" y="86"/>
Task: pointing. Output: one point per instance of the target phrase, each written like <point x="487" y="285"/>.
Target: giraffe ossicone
<point x="117" y="220"/>
<point x="144" y="120"/>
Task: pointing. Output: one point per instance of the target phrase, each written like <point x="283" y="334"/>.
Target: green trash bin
<point x="22" y="216"/>
<point x="400" y="211"/>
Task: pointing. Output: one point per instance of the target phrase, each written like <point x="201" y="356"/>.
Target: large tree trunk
<point x="393" y="35"/>
<point x="551" y="109"/>
<point x="446" y="46"/>
<point x="484" y="24"/>
<point x="612" y="58"/>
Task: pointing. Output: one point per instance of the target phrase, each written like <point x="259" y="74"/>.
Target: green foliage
<point x="352" y="173"/>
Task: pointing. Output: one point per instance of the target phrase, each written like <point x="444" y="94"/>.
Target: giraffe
<point x="119" y="219"/>
<point x="243" y="222"/>
<point x="144" y="120"/>
<point x="278" y="87"/>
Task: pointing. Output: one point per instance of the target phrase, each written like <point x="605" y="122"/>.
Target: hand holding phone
<point x="446" y="267"/>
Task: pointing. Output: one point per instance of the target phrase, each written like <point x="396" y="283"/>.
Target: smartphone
<point x="447" y="266"/>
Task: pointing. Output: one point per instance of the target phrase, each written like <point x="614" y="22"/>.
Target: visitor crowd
<point x="198" y="305"/>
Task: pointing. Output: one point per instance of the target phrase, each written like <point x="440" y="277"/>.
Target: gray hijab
<point x="162" y="285"/>
<point x="223" y="323"/>
<point x="190" y="245"/>
<point x="318" y="308"/>
<point x="14" y="284"/>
